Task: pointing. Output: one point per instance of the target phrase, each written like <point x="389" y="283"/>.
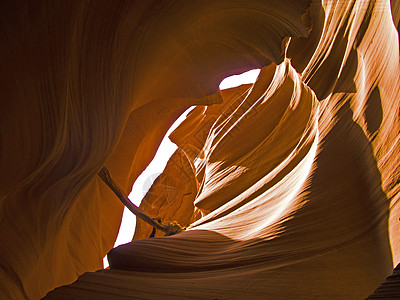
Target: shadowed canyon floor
<point x="288" y="187"/>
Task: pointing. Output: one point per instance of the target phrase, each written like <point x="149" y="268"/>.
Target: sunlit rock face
<point x="293" y="181"/>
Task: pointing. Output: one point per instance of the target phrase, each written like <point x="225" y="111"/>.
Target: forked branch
<point x="169" y="229"/>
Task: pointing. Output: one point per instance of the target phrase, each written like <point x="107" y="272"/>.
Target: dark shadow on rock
<point x="322" y="78"/>
<point x="301" y="49"/>
<point x="345" y="83"/>
<point x="373" y="111"/>
<point x="348" y="180"/>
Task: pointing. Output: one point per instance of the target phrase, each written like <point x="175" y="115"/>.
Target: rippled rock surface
<point x="293" y="182"/>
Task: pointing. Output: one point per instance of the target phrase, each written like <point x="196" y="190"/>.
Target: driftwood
<point x="169" y="228"/>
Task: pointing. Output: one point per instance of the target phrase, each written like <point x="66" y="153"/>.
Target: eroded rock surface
<point x="294" y="185"/>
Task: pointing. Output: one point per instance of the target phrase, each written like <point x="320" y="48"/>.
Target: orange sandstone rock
<point x="298" y="174"/>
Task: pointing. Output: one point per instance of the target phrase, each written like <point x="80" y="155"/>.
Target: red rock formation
<point x="298" y="173"/>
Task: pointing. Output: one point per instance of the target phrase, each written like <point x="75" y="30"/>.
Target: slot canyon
<point x="287" y="188"/>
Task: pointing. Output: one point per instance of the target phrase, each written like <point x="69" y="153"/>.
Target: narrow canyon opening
<point x="157" y="165"/>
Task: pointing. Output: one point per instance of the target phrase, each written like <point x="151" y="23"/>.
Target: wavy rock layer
<point x="298" y="174"/>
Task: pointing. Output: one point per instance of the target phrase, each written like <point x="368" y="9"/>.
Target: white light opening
<point x="236" y="80"/>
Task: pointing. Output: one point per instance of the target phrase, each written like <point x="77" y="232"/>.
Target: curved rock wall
<point x="298" y="173"/>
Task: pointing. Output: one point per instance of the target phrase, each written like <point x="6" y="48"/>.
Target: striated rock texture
<point x="293" y="183"/>
<point x="171" y="196"/>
